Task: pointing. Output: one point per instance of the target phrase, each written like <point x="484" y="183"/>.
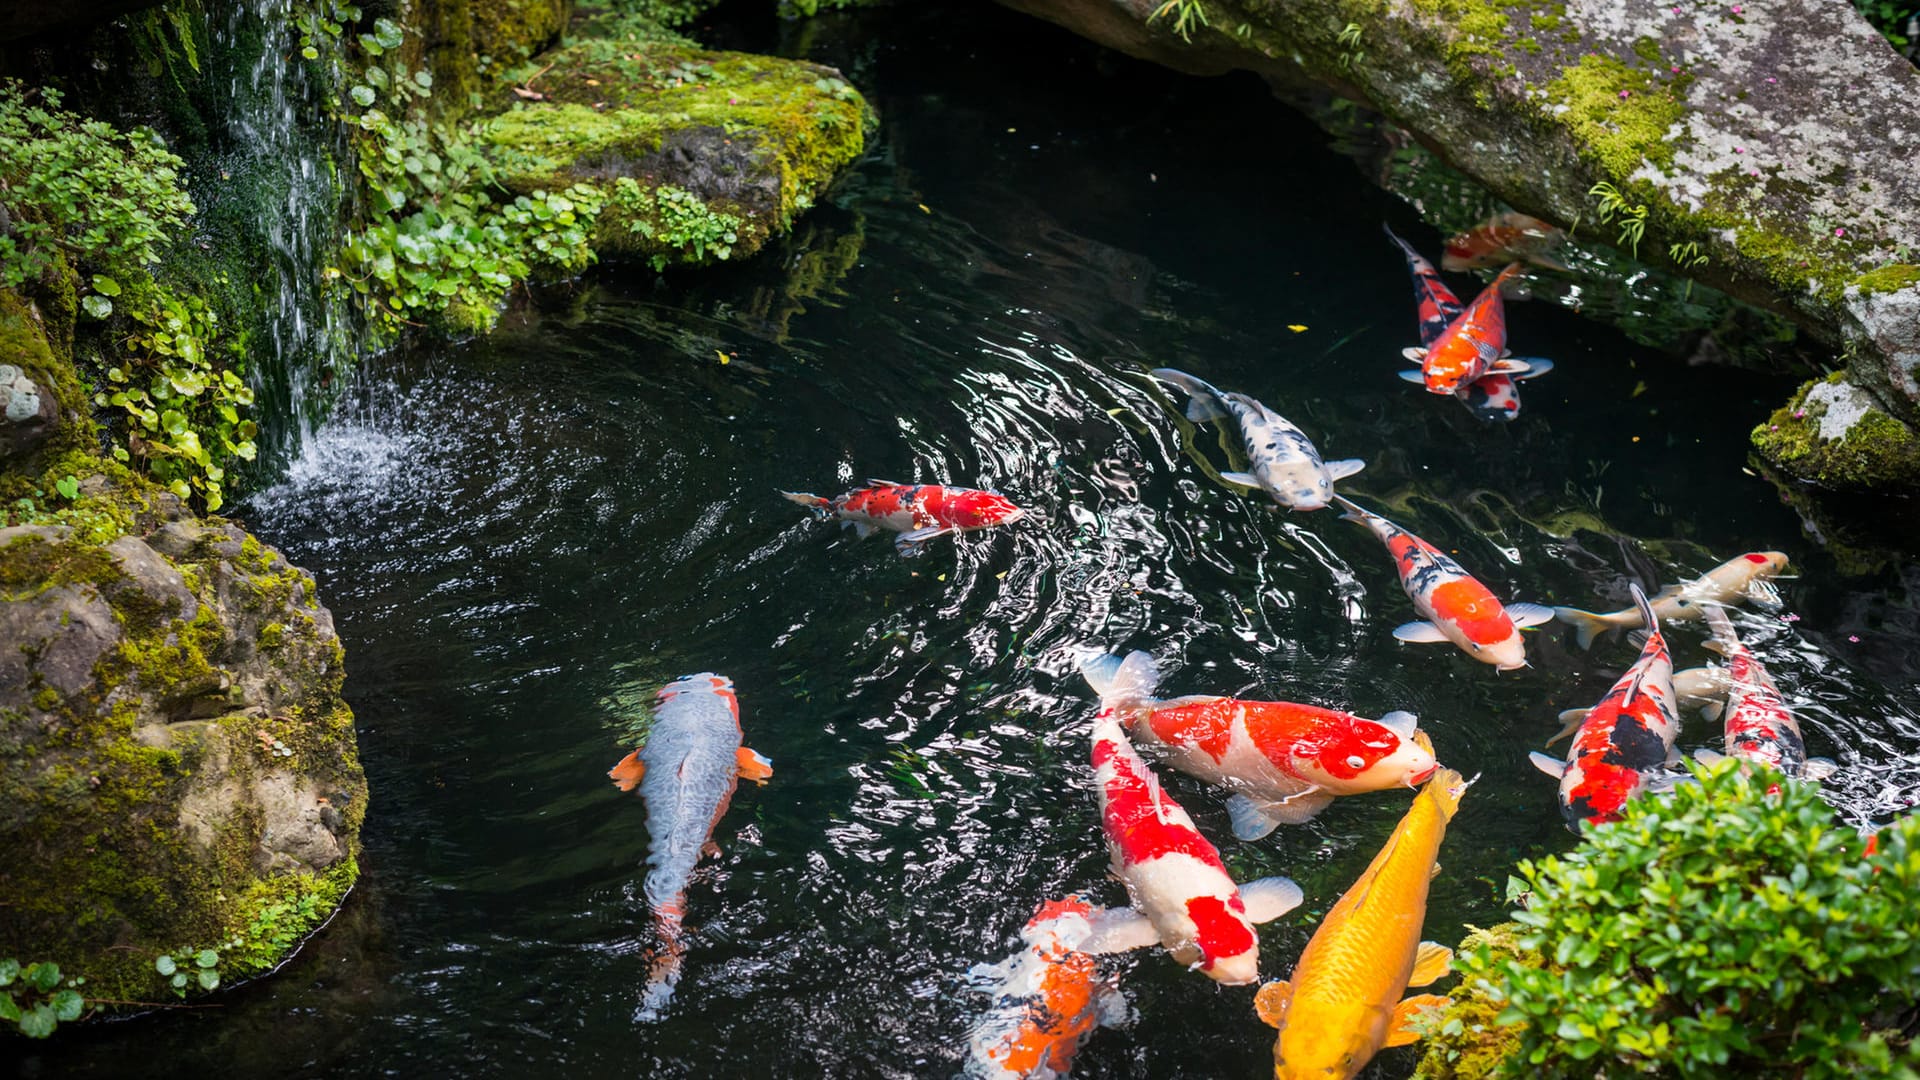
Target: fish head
<point x="1059" y="926"/>
<point x="1297" y="485"/>
<point x="1229" y="951"/>
<point x="1331" y="1041"/>
<point x="1360" y="755"/>
<point x="1767" y="563"/>
<point x="1509" y="654"/>
<point x="980" y="509"/>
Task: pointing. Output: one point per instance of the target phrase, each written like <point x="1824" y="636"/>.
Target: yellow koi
<point x="1343" y="1003"/>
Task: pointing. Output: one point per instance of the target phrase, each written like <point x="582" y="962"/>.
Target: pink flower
<point x="1855" y="638"/>
<point x="1839" y="232"/>
<point x="1773" y="427"/>
<point x="1737" y="9"/>
<point x="1771" y="79"/>
<point x="1625" y="94"/>
<point x="1739" y="149"/>
<point x="1790" y="618"/>
<point x="1676" y="69"/>
<point x="1799" y="414"/>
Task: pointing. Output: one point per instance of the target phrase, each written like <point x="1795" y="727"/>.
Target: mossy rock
<point x="1465" y="1041"/>
<point x="1834" y="435"/>
<point x="702" y="155"/>
<point x="43" y="407"/>
<point x="178" y="771"/>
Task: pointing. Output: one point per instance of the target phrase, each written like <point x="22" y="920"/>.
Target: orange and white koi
<point x="918" y="512"/>
<point x="1047" y="999"/>
<point x="1759" y="726"/>
<point x="1457" y="608"/>
<point x="1749" y="576"/>
<point x="1284" y="462"/>
<point x="1492" y="397"/>
<point x="1183" y="898"/>
<point x="1503" y="238"/>
<point x="686" y="772"/>
<point x="1473" y="346"/>
<point x="1625" y="743"/>
<point x="1344" y="1001"/>
<point x="1285" y="762"/>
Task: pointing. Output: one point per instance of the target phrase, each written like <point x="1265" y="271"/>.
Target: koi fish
<point x="686" y="772"/>
<point x="1503" y="238"/>
<point x="1284" y="461"/>
<point x="1759" y="725"/>
<point x="918" y="512"/>
<point x="1285" y="762"/>
<point x="1047" y="999"/>
<point x="1702" y="688"/>
<point x="1624" y="742"/>
<point x="1473" y="346"/>
<point x="1746" y="576"/>
<point x="1457" y="608"/>
<point x="1344" y="1002"/>
<point x="1494" y="397"/>
<point x="1183" y="898"/>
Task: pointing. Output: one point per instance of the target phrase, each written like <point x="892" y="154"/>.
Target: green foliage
<point x="189" y="969"/>
<point x="666" y="12"/>
<point x="1349" y="40"/>
<point x="1719" y="931"/>
<point x="37" y="999"/>
<point x="1632" y="217"/>
<point x="1895" y="19"/>
<point x="677" y="218"/>
<point x="1186" y="15"/>
<point x="792" y="9"/>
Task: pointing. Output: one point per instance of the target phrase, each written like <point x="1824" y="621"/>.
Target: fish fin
<point x="1345" y="467"/>
<point x="1536" y="367"/>
<point x="1201" y="409"/>
<point x="1551" y="766"/>
<point x="753" y="765"/>
<point x="1818" y="768"/>
<point x="1569" y="723"/>
<point x="812" y="502"/>
<point x="1433" y="871"/>
<point x="861" y="529"/>
<point x="1662" y="783"/>
<point x="1243" y="479"/>
<point x="1269" y="898"/>
<point x="709" y="850"/>
<point x="627" y="774"/>
<point x="1508" y="365"/>
<point x="1400" y="722"/>
<point x="1400" y="1030"/>
<point x="877" y="482"/>
<point x="1708" y="756"/>
<point x="1529" y="614"/>
<point x="1431" y="962"/>
<point x="1415" y="353"/>
<point x="1764" y="594"/>
<point x="1122" y="683"/>
<point x="1298" y="808"/>
<point x="1586" y="625"/>
<point x="1446" y="787"/>
<point x="1419" y="632"/>
<point x="1118" y="930"/>
<point x="1414" y="377"/>
<point x="1206" y="404"/>
<point x="1395" y="237"/>
<point x="1250" y="822"/>
<point x="1110" y="1007"/>
<point x="1271" y="1002"/>
<point x="915" y="541"/>
<point x="1712" y="710"/>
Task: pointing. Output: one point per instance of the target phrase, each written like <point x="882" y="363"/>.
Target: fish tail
<point x="1500" y="279"/>
<point x="1725" y="639"/>
<point x="1445" y="788"/>
<point x="1350" y="510"/>
<point x="1206" y="399"/>
<point x="1124" y="685"/>
<point x="1646" y="611"/>
<point x="1586" y="625"/>
<point x="815" y="503"/>
<point x="663" y="964"/>
<point x="1395" y="237"/>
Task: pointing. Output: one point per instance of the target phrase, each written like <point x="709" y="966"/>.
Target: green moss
<point x="273" y="635"/>
<point x="1877" y="453"/>
<point x="1647" y="49"/>
<point x="26" y="343"/>
<point x="1617" y="115"/>
<point x="1466" y="1041"/>
<point x="1889" y="278"/>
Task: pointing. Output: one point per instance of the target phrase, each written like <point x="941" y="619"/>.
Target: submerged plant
<point x="1723" y="930"/>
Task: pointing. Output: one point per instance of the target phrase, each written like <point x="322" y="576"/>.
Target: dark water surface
<point x="521" y="538"/>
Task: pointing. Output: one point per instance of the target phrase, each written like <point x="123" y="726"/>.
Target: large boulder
<point x="177" y="769"/>
<point x="1765" y="148"/>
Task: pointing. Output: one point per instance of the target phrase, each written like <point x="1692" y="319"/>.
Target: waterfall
<point x="281" y="200"/>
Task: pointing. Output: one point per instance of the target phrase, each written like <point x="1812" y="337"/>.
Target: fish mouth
<point x="1424" y="776"/>
<point x="1012" y="515"/>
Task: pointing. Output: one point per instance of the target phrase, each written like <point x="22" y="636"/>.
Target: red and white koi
<point x="1047" y="999"/>
<point x="1625" y="743"/>
<point x="1747" y="576"/>
<point x="1473" y="346"/>
<point x="1759" y="726"/>
<point x="1284" y="462"/>
<point x="1457" y="608"/>
<point x="1183" y="898"/>
<point x="918" y="512"/>
<point x="1503" y="238"/>
<point x="1492" y="397"/>
<point x="1285" y="762"/>
<point x="686" y="772"/>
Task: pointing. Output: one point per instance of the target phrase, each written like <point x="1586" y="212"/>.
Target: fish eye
<point x="1355" y="761"/>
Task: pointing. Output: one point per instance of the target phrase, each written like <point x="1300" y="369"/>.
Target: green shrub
<point x="1715" y="932"/>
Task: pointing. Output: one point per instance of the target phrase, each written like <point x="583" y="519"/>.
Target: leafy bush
<point x="1717" y="932"/>
<point x="37" y="999"/>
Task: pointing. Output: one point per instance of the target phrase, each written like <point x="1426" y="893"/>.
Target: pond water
<point x="521" y="537"/>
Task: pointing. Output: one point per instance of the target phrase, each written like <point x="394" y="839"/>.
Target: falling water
<point x="282" y="163"/>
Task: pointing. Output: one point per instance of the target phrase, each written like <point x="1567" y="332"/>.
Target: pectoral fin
<point x="1400" y="1030"/>
<point x="1269" y="898"/>
<point x="1764" y="594"/>
<point x="861" y="529"/>
<point x="1536" y="367"/>
<point x="1415" y="353"/>
<point x="1271" y="1001"/>
<point x="1345" y="467"/>
<point x="1250" y="821"/>
<point x="1569" y="723"/>
<point x="1243" y="479"/>
<point x="1818" y="768"/>
<point x="1419" y="632"/>
<point x="1510" y="366"/>
<point x="1551" y="766"/>
<point x="1415" y="377"/>
<point x="1433" y="961"/>
<point x="1299" y="808"/>
<point x="915" y="541"/>
<point x="753" y="765"/>
<point x="1401" y="723"/>
<point x="1529" y="614"/>
<point x="627" y="774"/>
<point x="1119" y="930"/>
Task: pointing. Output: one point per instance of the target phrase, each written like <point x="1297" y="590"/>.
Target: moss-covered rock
<point x="701" y="155"/>
<point x="1834" y="434"/>
<point x="1465" y="1041"/>
<point x="464" y="42"/>
<point x="177" y="769"/>
<point x="43" y="408"/>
